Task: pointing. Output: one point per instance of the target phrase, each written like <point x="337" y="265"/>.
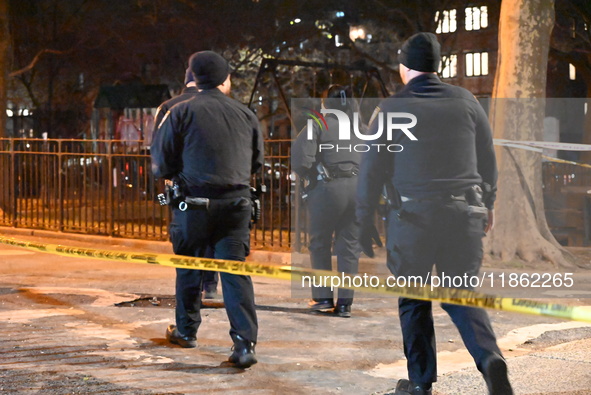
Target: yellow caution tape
<point x="568" y="162"/>
<point x="445" y="295"/>
<point x="539" y="146"/>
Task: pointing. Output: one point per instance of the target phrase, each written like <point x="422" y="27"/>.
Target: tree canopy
<point x="64" y="50"/>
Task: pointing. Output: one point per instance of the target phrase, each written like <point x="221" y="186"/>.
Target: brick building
<point x="468" y="33"/>
<point x="469" y="38"/>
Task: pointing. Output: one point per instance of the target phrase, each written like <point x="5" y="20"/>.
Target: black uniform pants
<point x="210" y="278"/>
<point x="440" y="233"/>
<point x="331" y="207"/>
<point x="225" y="228"/>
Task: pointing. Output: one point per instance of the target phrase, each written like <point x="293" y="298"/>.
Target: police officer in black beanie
<point x="211" y="144"/>
<point x="210" y="278"/>
<point x="331" y="202"/>
<point x="442" y="215"/>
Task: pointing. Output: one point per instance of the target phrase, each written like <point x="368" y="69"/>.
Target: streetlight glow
<point x="356" y="33"/>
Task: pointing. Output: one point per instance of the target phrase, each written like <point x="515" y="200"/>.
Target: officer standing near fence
<point x="211" y="145"/>
<point x="210" y="278"/>
<point x="441" y="218"/>
<point x="332" y="183"/>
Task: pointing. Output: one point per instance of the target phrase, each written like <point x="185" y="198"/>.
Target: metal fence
<point x="105" y="187"/>
<point x="567" y="201"/>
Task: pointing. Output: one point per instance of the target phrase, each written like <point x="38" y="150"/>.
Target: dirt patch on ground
<point x="54" y="383"/>
<point x="552" y="338"/>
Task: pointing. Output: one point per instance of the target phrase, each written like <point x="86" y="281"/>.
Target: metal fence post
<point x="110" y="219"/>
<point x="62" y="172"/>
<point x="14" y="200"/>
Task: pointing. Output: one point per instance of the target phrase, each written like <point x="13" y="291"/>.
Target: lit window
<point x="449" y="66"/>
<point x="476" y="64"/>
<point x="476" y="18"/>
<point x="446" y="21"/>
<point x="572" y="72"/>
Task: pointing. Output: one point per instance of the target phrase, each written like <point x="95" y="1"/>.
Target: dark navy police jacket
<point x="210" y="141"/>
<point x="453" y="151"/>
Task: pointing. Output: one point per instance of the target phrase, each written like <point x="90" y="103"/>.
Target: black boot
<point x="496" y="376"/>
<point x="343" y="310"/>
<point x="175" y="337"/>
<point x="407" y="387"/>
<point x="243" y="355"/>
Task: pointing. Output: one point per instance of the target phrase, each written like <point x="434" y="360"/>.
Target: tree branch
<point x="36" y="59"/>
<point x="378" y="62"/>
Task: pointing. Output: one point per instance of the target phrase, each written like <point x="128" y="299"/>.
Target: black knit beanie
<point x="209" y="69"/>
<point x="421" y="52"/>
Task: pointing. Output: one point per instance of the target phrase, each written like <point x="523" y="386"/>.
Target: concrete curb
<point x="162" y="247"/>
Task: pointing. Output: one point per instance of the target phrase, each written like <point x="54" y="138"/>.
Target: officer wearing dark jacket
<point x="210" y="145"/>
<point x="210" y="278"/>
<point x="441" y="218"/>
<point x="331" y="200"/>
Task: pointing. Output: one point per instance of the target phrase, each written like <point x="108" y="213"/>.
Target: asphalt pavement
<point x="72" y="325"/>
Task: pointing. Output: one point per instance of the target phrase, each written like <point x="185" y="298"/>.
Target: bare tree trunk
<point x="4" y="45"/>
<point x="517" y="113"/>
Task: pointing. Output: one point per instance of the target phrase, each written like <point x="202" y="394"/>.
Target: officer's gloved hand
<point x="368" y="235"/>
